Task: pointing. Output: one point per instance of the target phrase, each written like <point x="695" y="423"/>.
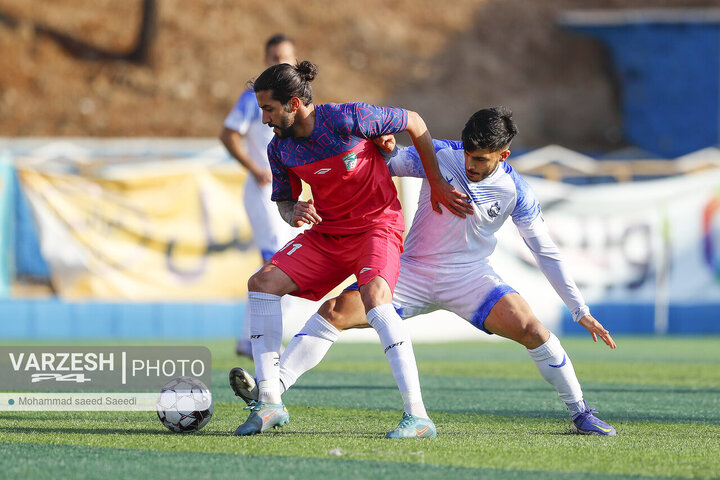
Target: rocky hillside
<point x="71" y="67"/>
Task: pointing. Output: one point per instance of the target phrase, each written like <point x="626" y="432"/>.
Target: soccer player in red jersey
<point x="357" y="227"/>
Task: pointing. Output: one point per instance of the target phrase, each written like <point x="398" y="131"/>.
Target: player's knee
<point x="260" y="282"/>
<point x="344" y="312"/>
<point x="328" y="310"/>
<point x="533" y="334"/>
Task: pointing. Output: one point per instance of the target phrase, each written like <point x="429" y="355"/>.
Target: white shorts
<point x="470" y="291"/>
<point x="270" y="231"/>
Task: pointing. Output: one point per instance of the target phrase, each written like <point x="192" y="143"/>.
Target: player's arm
<point x="287" y="188"/>
<point x="527" y="217"/>
<point x="234" y="144"/>
<point x="298" y="212"/>
<point x="405" y="162"/>
<point x="441" y="192"/>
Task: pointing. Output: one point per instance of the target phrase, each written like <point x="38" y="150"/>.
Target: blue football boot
<point x="585" y="423"/>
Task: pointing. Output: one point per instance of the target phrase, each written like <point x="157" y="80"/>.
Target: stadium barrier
<point x="644" y="254"/>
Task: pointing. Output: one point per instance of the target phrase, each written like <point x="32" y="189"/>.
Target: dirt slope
<point x="443" y="59"/>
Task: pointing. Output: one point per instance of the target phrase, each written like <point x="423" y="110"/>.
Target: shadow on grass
<point x="113" y="431"/>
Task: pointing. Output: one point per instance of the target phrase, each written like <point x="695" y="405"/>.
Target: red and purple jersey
<point x="351" y="185"/>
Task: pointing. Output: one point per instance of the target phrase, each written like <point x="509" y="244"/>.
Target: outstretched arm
<point x="547" y="256"/>
<point x="441" y="192"/>
<point x="596" y="329"/>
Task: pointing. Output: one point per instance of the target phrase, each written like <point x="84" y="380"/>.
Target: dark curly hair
<point x="491" y="128"/>
<point x="287" y="81"/>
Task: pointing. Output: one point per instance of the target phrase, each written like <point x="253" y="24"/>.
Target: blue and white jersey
<point x="441" y="241"/>
<point x="448" y="239"/>
<point x="246" y="119"/>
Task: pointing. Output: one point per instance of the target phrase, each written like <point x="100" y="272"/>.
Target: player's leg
<point x="270" y="233"/>
<point x="377" y="271"/>
<point x="377" y="299"/>
<point x="309" y="346"/>
<point x="511" y="317"/>
<point x="304" y="268"/>
<point x="377" y="278"/>
<point x="265" y="289"/>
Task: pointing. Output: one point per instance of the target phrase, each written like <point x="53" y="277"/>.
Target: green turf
<point x="496" y="418"/>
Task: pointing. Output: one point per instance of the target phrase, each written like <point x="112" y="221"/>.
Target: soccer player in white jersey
<point x="445" y="265"/>
<point x="246" y="138"/>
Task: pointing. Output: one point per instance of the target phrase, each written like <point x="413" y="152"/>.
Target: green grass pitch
<point x="496" y="418"/>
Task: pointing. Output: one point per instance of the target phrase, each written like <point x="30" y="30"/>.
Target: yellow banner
<point x="177" y="233"/>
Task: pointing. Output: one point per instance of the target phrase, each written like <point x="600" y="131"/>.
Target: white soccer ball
<point x="184" y="405"/>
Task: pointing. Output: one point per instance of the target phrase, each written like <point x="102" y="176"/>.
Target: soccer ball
<point x="184" y="405"/>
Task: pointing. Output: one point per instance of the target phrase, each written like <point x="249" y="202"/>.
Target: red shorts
<point x="318" y="262"/>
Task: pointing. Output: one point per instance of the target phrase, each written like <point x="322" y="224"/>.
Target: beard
<point x="285" y="128"/>
<point x="284" y="132"/>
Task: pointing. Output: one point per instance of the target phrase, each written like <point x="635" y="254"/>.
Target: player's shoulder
<point x="449" y="152"/>
<point x="340" y="110"/>
<point x="246" y="104"/>
<point x="514" y="176"/>
<point x="524" y="193"/>
<point x="337" y="117"/>
<point x="247" y="97"/>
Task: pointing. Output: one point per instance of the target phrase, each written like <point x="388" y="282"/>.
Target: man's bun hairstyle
<point x="287" y="81"/>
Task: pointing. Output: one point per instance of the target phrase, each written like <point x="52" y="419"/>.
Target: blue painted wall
<point x="669" y="76"/>
<point x="59" y="320"/>
<point x="639" y="319"/>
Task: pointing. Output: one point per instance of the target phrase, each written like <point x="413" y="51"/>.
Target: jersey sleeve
<point x="286" y="184"/>
<point x="528" y="218"/>
<point x="366" y="121"/>
<point x="547" y="255"/>
<point x="405" y="162"/>
<point x="244" y="112"/>
<point x="527" y="214"/>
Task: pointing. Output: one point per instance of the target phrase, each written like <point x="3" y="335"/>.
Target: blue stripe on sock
<point x="478" y="319"/>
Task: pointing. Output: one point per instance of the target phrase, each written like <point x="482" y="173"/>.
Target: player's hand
<point x="597" y="330"/>
<point x="386" y="143"/>
<point x="304" y="212"/>
<point x="442" y="192"/>
<point x="262" y="177"/>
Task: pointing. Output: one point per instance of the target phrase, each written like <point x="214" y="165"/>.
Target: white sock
<point x="562" y="375"/>
<point x="399" y="352"/>
<point x="306" y="349"/>
<point x="266" y="339"/>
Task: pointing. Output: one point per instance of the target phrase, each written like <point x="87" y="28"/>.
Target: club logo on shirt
<point x="494" y="210"/>
<point x="350" y="160"/>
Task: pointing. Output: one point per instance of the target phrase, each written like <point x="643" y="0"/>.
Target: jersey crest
<point x="350" y="160"/>
<point x="494" y="210"/>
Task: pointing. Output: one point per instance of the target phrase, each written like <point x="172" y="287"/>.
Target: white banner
<point x="646" y="242"/>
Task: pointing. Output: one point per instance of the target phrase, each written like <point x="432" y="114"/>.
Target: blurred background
<point x="122" y="214"/>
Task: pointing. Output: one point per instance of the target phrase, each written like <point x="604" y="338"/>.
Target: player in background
<point x="357" y="227"/>
<point x="246" y="138"/>
<point x="445" y="266"/>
